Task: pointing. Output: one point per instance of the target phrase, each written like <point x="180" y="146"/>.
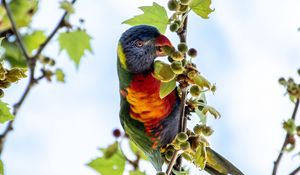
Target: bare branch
<point x="296" y="171"/>
<point x="285" y="143"/>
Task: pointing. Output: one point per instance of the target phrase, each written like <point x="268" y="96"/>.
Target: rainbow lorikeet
<point x="149" y="121"/>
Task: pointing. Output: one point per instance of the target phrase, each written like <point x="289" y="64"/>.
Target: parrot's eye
<point x="139" y="43"/>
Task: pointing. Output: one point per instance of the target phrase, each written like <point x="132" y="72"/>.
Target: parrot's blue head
<point x="139" y="46"/>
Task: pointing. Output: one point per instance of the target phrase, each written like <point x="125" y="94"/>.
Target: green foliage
<point x="111" y="150"/>
<point x="22" y="12"/>
<point x="154" y="15"/>
<point x="1" y="168"/>
<point x="163" y="71"/>
<point x="201" y="7"/>
<point x="166" y="88"/>
<point x="137" y="172"/>
<point x="13" y="54"/>
<point x="107" y="166"/>
<point x="200" y="156"/>
<point x="5" y="114"/>
<point x="34" y="40"/>
<point x="75" y="43"/>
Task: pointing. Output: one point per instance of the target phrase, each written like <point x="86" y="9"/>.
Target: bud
<point x="198" y="129"/>
<point x="192" y="52"/>
<point x="195" y="90"/>
<point x="185" y="146"/>
<point x="174" y="27"/>
<point x="182" y="47"/>
<point x="177" y="22"/>
<point x="291" y="140"/>
<point x="116" y="133"/>
<point x="177" y="56"/>
<point x="52" y="62"/>
<point x="182" y="137"/>
<point x="172" y="5"/>
<point x="282" y="81"/>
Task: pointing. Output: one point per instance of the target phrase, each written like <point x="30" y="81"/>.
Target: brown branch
<point x="176" y="158"/>
<point x="296" y="171"/>
<point x="60" y="24"/>
<point x="285" y="143"/>
<point x="31" y="62"/>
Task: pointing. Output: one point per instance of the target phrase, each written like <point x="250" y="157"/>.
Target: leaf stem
<point x="285" y="143"/>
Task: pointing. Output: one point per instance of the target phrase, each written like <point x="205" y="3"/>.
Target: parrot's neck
<point x="145" y="104"/>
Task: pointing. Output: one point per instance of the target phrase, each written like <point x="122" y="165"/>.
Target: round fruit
<point x="182" y="47"/>
<point x="195" y="90"/>
<point x="172" y="5"/>
<point x="192" y="52"/>
<point x="182" y="137"/>
<point x="174" y="27"/>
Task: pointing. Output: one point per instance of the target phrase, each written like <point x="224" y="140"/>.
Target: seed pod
<point x="174" y="27"/>
<point x="192" y="52"/>
<point x="116" y="133"/>
<point x="177" y="56"/>
<point x="207" y="131"/>
<point x="185" y="146"/>
<point x="195" y="90"/>
<point x="172" y="5"/>
<point x="169" y="155"/>
<point x="182" y="47"/>
<point x="177" y="68"/>
<point x="182" y="137"/>
<point x="183" y="8"/>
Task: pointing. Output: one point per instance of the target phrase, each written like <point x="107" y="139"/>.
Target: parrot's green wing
<point x="133" y="128"/>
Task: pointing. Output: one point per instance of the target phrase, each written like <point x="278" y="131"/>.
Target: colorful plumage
<point x="149" y="121"/>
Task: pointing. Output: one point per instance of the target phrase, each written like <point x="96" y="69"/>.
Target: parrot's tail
<point x="156" y="160"/>
<point x="218" y="165"/>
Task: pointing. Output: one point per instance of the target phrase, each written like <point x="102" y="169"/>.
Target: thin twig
<point x="15" y="30"/>
<point x="285" y="143"/>
<point x="176" y="158"/>
<point x="52" y="34"/>
<point x="296" y="171"/>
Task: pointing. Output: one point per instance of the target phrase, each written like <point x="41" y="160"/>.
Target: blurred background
<point x="244" y="48"/>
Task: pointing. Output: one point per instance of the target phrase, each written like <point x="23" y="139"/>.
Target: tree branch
<point x="176" y="158"/>
<point x="31" y="62"/>
<point x="285" y="143"/>
<point x="296" y="171"/>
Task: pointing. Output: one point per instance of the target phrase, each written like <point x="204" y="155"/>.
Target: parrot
<point x="149" y="121"/>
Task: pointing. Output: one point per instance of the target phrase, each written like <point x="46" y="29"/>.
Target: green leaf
<point x="60" y="76"/>
<point x="200" y="156"/>
<point x="202" y="81"/>
<point x="34" y="40"/>
<point x="137" y="172"/>
<point x="75" y="43"/>
<point x="1" y="168"/>
<point x="166" y="88"/>
<point x="111" y="150"/>
<point x="203" y="118"/>
<point x="201" y="7"/>
<point x="212" y="111"/>
<point x="13" y="54"/>
<point x="163" y="71"/>
<point x="5" y="114"/>
<point x="67" y="6"/>
<point x="114" y="165"/>
<point x="154" y="15"/>
<point x="137" y="151"/>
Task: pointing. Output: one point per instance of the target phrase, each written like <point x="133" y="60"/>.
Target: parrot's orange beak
<point x="160" y="42"/>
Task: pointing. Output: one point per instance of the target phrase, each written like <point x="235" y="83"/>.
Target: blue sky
<point x="244" y="48"/>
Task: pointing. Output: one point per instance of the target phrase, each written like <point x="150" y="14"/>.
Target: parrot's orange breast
<point x="145" y="104"/>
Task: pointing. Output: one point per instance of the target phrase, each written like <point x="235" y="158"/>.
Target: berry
<point x="177" y="68"/>
<point x="172" y="5"/>
<point x="192" y="52"/>
<point x="116" y="133"/>
<point x="177" y="22"/>
<point x="169" y="155"/>
<point x="185" y="146"/>
<point x="174" y="27"/>
<point x="177" y="56"/>
<point x="168" y="50"/>
<point x="185" y="2"/>
<point x="195" y="90"/>
<point x="52" y="62"/>
<point x="182" y="137"/>
<point x="182" y="47"/>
